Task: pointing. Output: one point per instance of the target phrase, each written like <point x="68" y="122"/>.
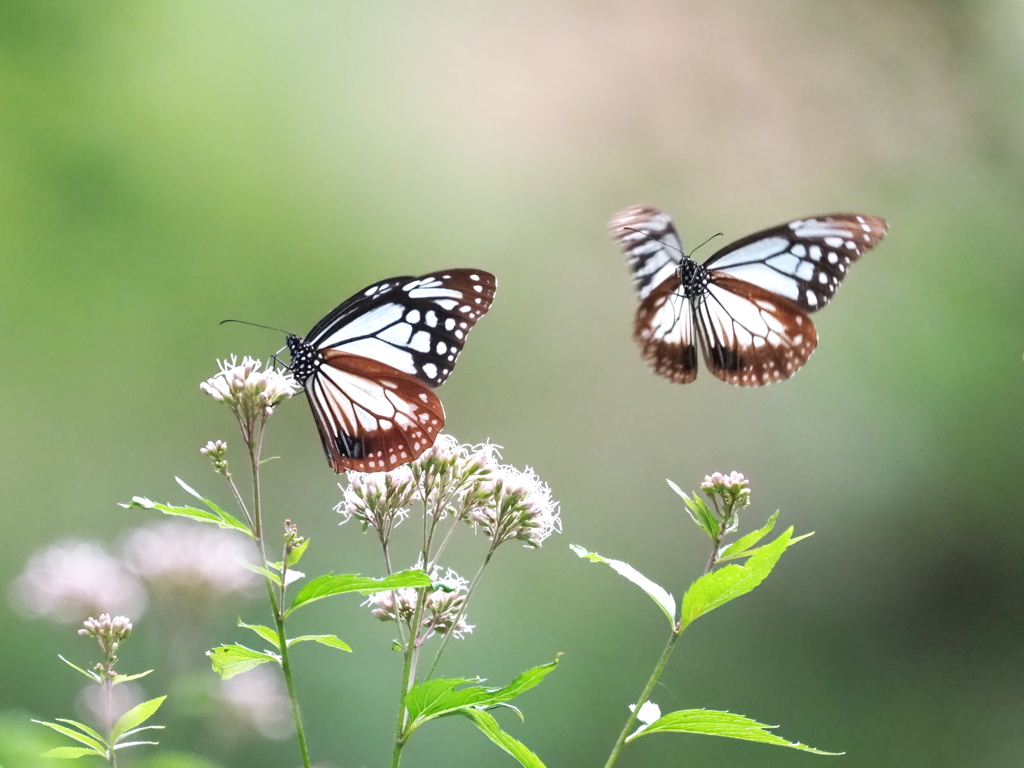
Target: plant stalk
<point x="255" y="449"/>
<point x="677" y="632"/>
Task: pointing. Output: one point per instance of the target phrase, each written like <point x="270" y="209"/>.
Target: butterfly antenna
<point x="255" y="325"/>
<point x="717" y="234"/>
<point x="667" y="245"/>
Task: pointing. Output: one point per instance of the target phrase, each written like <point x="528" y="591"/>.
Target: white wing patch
<point x="653" y="250"/>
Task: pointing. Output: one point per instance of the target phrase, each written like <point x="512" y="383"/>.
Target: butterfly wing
<point x="751" y="336"/>
<point x="371" y="416"/>
<point x="416" y="325"/>
<point x="803" y="260"/>
<point x="664" y="330"/>
<point x="652" y="247"/>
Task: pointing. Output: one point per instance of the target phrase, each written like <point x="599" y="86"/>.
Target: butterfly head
<point x="304" y="357"/>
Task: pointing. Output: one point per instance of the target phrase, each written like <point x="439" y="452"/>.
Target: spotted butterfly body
<point x="748" y="304"/>
<point x="368" y="367"/>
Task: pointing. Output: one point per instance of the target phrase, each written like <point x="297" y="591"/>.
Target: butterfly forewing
<point x="664" y="331"/>
<point x="750" y="336"/>
<point x="803" y="260"/>
<point x="652" y="247"/>
<point x="371" y="416"/>
<point x="417" y="325"/>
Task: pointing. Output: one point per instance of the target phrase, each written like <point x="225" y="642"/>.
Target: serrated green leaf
<point x="326" y="586"/>
<point x="83" y="728"/>
<point x="719" y="587"/>
<point x="71" y="753"/>
<point x="330" y="641"/>
<point x="743" y="543"/>
<point x="698" y="512"/>
<point x="490" y="728"/>
<point x="135" y="717"/>
<point x="657" y="593"/>
<point x="791" y="542"/>
<point x="297" y="553"/>
<point x="81" y="738"/>
<point x="118" y="679"/>
<point x="231" y="660"/>
<point x="439" y="697"/>
<point x="711" y="723"/>
<point x="268" y="634"/>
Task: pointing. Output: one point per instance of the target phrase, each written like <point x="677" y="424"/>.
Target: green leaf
<point x="81" y="738"/>
<point x="71" y="753"/>
<point x="438" y="698"/>
<point x="231" y="660"/>
<point x="719" y="587"/>
<point x="329" y="640"/>
<point x="699" y="512"/>
<point x="118" y="679"/>
<point x="83" y="728"/>
<point x="274" y="578"/>
<point x="268" y="634"/>
<point x="326" y="586"/>
<point x="486" y="723"/>
<point x="659" y="594"/>
<point x="126" y="744"/>
<point x="135" y="717"/>
<point x="88" y="673"/>
<point x="228" y="522"/>
<point x="297" y="553"/>
<point x="742" y="544"/>
<point x="711" y="723"/>
<point x="232" y="521"/>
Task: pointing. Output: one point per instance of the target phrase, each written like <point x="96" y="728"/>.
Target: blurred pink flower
<point x="71" y="580"/>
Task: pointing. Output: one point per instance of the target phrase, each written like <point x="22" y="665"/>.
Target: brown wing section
<point x="750" y="336"/>
<point x="371" y="417"/>
<point x="664" y="330"/>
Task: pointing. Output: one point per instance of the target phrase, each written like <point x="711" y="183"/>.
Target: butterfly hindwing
<point x="651" y="244"/>
<point x="371" y="416"/>
<point x="803" y="260"/>
<point x="417" y="325"/>
<point x="751" y="336"/>
<point x="664" y="331"/>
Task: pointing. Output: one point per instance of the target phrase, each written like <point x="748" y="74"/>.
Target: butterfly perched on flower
<point x="748" y="304"/>
<point x="369" y="366"/>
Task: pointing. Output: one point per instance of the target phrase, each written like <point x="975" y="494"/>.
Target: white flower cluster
<point x="258" y="700"/>
<point x="195" y="563"/>
<point x="441" y="609"/>
<point x="465" y="481"/>
<point x="249" y="391"/>
<point x="520" y="507"/>
<point x="109" y="632"/>
<point x="71" y="580"/>
<point x="732" y="489"/>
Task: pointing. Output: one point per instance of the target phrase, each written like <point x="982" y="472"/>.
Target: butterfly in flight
<point x="748" y="304"/>
<point x="368" y="367"/>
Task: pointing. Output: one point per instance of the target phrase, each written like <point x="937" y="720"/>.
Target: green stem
<point x="255" y="449"/>
<point x="631" y="720"/>
<point x="108" y="687"/>
<point x="677" y="632"/>
<point x="462" y="610"/>
<point x="412" y="650"/>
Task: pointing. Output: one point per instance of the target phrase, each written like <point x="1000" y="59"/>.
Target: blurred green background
<point x="165" y="165"/>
